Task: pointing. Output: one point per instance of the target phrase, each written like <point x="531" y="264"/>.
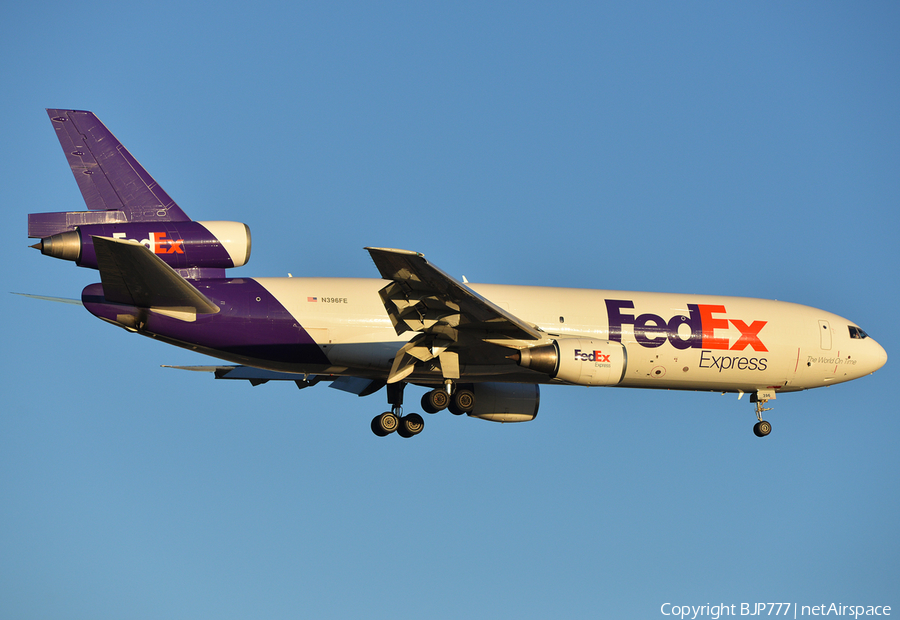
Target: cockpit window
<point x="857" y="333"/>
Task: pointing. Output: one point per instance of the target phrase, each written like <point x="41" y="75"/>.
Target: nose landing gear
<point x="762" y="428"/>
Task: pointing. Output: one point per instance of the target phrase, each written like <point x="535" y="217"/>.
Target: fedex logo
<point x="158" y="243"/>
<point x="703" y="321"/>
<point x="595" y="356"/>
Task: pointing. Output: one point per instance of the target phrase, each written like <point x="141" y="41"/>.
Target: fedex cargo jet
<point x="477" y="349"/>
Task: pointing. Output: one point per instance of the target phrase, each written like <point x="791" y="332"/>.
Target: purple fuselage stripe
<point x="251" y="324"/>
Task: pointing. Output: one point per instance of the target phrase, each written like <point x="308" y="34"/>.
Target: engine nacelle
<point x="506" y="402"/>
<point x="580" y="361"/>
<point x="182" y="245"/>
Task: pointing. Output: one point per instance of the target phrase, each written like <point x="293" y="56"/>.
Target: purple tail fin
<point x="109" y="177"/>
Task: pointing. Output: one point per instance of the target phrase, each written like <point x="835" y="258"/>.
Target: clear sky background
<point x="727" y="148"/>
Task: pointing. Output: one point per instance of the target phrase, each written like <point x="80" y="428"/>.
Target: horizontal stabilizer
<point x="62" y="300"/>
<point x="132" y="275"/>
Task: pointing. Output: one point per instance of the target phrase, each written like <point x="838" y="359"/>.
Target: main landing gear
<point x="406" y="425"/>
<point x="761" y="428"/>
<point x="462" y="400"/>
<point x="459" y="401"/>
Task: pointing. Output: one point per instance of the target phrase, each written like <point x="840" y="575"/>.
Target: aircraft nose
<point x="876" y="357"/>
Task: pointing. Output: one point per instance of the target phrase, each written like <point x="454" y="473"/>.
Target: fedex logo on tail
<point x="705" y="322"/>
<point x="158" y="243"/>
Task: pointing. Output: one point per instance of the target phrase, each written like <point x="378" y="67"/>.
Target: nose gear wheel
<point x="762" y="428"/>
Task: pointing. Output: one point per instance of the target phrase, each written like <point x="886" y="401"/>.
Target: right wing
<point x="451" y="319"/>
<point x="424" y="297"/>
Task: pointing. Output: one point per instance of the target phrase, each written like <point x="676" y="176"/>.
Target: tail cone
<point x="64" y="245"/>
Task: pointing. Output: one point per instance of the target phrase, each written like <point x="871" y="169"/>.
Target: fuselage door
<point x="824" y="335"/>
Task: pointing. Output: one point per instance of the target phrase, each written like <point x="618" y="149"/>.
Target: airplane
<point x="478" y="349"/>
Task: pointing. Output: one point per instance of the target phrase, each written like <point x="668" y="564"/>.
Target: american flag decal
<point x="312" y="299"/>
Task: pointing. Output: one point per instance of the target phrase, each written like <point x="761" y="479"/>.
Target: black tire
<point x="434" y="401"/>
<point x="761" y="429"/>
<point x="463" y="402"/>
<point x="385" y="424"/>
<point x="376" y="427"/>
<point x="411" y="425"/>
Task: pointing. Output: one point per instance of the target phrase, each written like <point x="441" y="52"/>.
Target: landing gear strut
<point x="761" y="428"/>
<point x="394" y="420"/>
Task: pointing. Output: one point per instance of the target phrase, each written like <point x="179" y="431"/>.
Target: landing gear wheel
<point x="762" y="428"/>
<point x="385" y="424"/>
<point x="411" y="425"/>
<point x="463" y="402"/>
<point x="435" y="401"/>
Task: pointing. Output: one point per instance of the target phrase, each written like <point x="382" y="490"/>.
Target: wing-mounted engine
<point x="580" y="361"/>
<point x="506" y="402"/>
<point x="181" y="245"/>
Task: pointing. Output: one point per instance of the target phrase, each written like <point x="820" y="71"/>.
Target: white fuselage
<point x="673" y="341"/>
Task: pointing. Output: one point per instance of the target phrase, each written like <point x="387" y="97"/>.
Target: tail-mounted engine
<point x="580" y="361"/>
<point x="182" y="245"/>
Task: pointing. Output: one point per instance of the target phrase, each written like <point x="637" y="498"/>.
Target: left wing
<point x="449" y="317"/>
<point x="257" y="376"/>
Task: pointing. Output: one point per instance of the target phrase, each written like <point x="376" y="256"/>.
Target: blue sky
<point x="725" y="148"/>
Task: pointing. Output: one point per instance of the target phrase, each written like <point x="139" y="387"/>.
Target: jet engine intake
<point x="580" y="361"/>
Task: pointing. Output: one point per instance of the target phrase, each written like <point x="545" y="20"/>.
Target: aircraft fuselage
<point x="338" y="326"/>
